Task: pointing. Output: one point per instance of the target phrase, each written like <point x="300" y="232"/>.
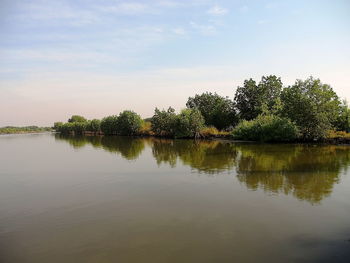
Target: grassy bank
<point x="26" y="129"/>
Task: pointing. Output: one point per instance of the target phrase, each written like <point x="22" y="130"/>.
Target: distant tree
<point x="217" y="111"/>
<point x="188" y="123"/>
<point x="342" y="123"/>
<point x="94" y="125"/>
<point x="128" y="123"/>
<point x="77" y="118"/>
<point x="57" y="126"/>
<point x="251" y="98"/>
<point x="79" y="127"/>
<point x="109" y="125"/>
<point x="312" y="105"/>
<point x="163" y="122"/>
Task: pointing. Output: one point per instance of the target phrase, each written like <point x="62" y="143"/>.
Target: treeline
<point x="26" y="129"/>
<point x="261" y="111"/>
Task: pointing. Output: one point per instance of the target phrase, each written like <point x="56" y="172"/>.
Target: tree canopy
<point x="217" y="111"/>
<point x="312" y="105"/>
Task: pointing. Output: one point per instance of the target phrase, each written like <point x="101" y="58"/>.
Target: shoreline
<point x="228" y="138"/>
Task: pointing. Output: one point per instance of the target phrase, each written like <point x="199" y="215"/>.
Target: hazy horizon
<point x="97" y="58"/>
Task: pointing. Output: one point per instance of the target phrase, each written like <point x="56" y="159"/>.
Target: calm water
<point x="115" y="199"/>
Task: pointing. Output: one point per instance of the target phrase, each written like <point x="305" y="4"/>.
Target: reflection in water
<point x="304" y="171"/>
<point x="127" y="147"/>
<point x="205" y="156"/>
<point x="307" y="172"/>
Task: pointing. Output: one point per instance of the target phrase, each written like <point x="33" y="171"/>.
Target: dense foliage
<point x="109" y="125"/>
<point x="163" y="122"/>
<point x="313" y="106"/>
<point x="184" y="125"/>
<point x="217" y="111"/>
<point x="188" y="123"/>
<point x="308" y="110"/>
<point x="128" y="123"/>
<point x="77" y="118"/>
<point x="251" y="97"/>
<point x="266" y="128"/>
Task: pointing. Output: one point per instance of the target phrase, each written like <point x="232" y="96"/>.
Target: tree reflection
<point x="205" y="156"/>
<point x="307" y="172"/>
<point x="129" y="148"/>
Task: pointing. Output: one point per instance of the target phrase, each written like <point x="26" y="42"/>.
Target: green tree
<point x="163" y="122"/>
<point x="342" y="123"/>
<point x="109" y="125"/>
<point x="312" y="105"/>
<point x="251" y="98"/>
<point x="217" y="111"/>
<point x="128" y="123"/>
<point x="94" y="125"/>
<point x="188" y="123"/>
<point x="57" y="126"/>
<point x="77" y="118"/>
<point x="266" y="128"/>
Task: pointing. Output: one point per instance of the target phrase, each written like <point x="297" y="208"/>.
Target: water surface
<point x="118" y="199"/>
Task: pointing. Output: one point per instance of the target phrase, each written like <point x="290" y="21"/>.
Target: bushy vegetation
<point x="313" y="106"/>
<point x="26" y="129"/>
<point x="266" y="128"/>
<point x="217" y="111"/>
<point x="187" y="124"/>
<point x="163" y="122"/>
<point x="128" y="123"/>
<point x="109" y="125"/>
<point x="262" y="111"/>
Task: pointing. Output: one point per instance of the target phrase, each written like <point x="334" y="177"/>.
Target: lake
<point x="120" y="199"/>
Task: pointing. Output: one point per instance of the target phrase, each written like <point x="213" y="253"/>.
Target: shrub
<point x="77" y="118"/>
<point x="57" y="126"/>
<point x="216" y="110"/>
<point x="266" y="128"/>
<point x="163" y="122"/>
<point x="79" y="127"/>
<point x="128" y="123"/>
<point x="146" y="128"/>
<point x="109" y="125"/>
<point x="188" y="123"/>
<point x="209" y="131"/>
<point x="94" y="125"/>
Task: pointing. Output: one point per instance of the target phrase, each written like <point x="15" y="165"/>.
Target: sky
<point x="96" y="58"/>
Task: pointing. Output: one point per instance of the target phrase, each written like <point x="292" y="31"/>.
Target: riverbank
<point x="333" y="138"/>
<point x="26" y="129"/>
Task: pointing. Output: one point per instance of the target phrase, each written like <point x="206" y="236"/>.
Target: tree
<point x="94" y="125"/>
<point x="57" y="126"/>
<point x="188" y="123"/>
<point x="342" y="123"/>
<point x="217" y="111"/>
<point x="163" y="122"/>
<point x="251" y="98"/>
<point x="313" y="106"/>
<point x="109" y="125"/>
<point x="128" y="123"/>
<point x="77" y="118"/>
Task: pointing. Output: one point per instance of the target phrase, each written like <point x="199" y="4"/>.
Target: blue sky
<point x="96" y="58"/>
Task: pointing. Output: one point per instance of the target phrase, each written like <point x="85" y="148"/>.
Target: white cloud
<point x="204" y="29"/>
<point x="128" y="8"/>
<point x="179" y="31"/>
<point x="217" y="11"/>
